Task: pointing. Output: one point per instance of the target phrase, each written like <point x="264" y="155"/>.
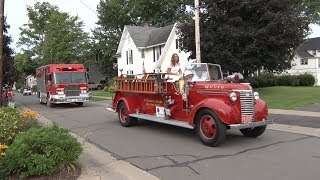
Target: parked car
<point x="26" y="91"/>
<point x="93" y="85"/>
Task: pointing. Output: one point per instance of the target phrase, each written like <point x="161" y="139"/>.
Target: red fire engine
<point x="203" y="100"/>
<point x="62" y="83"/>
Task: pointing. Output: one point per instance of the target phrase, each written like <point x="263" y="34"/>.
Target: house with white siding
<point x="148" y="48"/>
<point x="306" y="59"/>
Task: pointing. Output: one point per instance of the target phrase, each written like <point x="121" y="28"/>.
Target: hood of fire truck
<point x="221" y="86"/>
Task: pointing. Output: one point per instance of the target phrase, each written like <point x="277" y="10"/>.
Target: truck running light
<point x="84" y="90"/>
<point x="256" y="95"/>
<point x="60" y="91"/>
<point x="233" y="96"/>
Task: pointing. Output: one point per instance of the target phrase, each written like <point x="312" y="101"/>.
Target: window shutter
<point x="127" y="57"/>
<point x="177" y="43"/>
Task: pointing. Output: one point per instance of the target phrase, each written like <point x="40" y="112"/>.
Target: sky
<point x="16" y="13"/>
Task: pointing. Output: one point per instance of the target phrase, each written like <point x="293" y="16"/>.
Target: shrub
<point x="41" y="151"/>
<point x="14" y="122"/>
<point x="284" y="80"/>
<point x="306" y="80"/>
<point x="264" y="80"/>
<point x="34" y="88"/>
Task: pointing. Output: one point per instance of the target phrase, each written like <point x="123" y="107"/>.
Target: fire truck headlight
<point x="256" y="95"/>
<point x="233" y="96"/>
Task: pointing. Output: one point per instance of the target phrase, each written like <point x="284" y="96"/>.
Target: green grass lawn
<point x="281" y="97"/>
<point x="101" y="93"/>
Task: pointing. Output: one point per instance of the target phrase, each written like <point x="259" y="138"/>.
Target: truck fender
<point x="132" y="106"/>
<point x="223" y="111"/>
<point x="260" y="110"/>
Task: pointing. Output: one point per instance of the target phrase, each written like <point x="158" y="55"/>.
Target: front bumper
<point x="251" y="124"/>
<point x="74" y="99"/>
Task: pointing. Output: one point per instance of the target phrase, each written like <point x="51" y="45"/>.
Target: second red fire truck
<point x="62" y="83"/>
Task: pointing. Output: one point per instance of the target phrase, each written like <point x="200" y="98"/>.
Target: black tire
<point x="79" y="104"/>
<point x="213" y="136"/>
<point x="123" y="116"/>
<point x="253" y="132"/>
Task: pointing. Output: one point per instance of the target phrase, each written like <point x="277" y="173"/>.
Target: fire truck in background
<point x="62" y="83"/>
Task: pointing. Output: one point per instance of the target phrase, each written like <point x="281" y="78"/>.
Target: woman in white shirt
<point x="174" y="67"/>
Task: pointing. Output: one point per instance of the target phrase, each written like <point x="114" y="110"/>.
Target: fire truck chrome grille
<point x="72" y="90"/>
<point x="246" y="101"/>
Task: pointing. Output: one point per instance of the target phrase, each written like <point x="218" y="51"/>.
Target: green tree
<point x="10" y="73"/>
<point x="115" y="14"/>
<point x="24" y="63"/>
<point x="52" y="36"/>
<point x="248" y="35"/>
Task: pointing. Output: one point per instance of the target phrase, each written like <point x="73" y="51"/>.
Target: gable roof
<point x="304" y="54"/>
<point x="309" y="44"/>
<point x="145" y="37"/>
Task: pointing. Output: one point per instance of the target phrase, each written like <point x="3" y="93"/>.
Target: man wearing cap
<point x="199" y="75"/>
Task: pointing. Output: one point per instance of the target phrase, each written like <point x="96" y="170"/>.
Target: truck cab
<point x="200" y="99"/>
<point x="62" y="84"/>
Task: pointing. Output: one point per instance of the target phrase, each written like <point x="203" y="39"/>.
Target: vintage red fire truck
<point x="202" y="100"/>
<point x="62" y="83"/>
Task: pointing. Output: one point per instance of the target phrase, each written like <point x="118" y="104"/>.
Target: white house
<point x="148" y="47"/>
<point x="306" y="59"/>
<point x="30" y="81"/>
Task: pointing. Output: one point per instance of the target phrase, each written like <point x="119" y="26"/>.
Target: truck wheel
<point x="253" y="132"/>
<point x="79" y="104"/>
<point x="124" y="118"/>
<point x="49" y="104"/>
<point x="209" y="128"/>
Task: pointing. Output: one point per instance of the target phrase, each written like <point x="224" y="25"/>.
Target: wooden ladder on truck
<point x="140" y="85"/>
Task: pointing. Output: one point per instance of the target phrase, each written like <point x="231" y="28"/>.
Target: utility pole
<point x="1" y="46"/>
<point x="197" y="30"/>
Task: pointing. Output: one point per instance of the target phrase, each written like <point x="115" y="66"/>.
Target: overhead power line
<point x="88" y="7"/>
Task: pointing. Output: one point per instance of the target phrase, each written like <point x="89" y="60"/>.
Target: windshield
<point x="204" y="72"/>
<point x="74" y="77"/>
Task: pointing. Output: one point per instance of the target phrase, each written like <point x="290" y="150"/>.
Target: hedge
<point x="268" y="80"/>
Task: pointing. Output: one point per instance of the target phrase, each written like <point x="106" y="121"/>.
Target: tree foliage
<point x="10" y="73"/>
<point x="246" y="35"/>
<point x="115" y="14"/>
<point x="51" y="36"/>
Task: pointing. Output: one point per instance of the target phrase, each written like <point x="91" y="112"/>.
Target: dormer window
<point x="304" y="61"/>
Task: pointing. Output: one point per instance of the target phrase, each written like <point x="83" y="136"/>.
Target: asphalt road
<point x="175" y="153"/>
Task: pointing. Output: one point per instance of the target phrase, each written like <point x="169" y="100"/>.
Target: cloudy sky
<point x="16" y="13"/>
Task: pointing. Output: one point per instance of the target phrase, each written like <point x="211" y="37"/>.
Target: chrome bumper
<point x="251" y="124"/>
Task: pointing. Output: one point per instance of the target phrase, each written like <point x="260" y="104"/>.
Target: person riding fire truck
<point x="208" y="103"/>
<point x="62" y="83"/>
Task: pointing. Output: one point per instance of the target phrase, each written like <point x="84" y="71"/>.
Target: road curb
<point x="294" y="112"/>
<point x="295" y="129"/>
<point x="98" y="164"/>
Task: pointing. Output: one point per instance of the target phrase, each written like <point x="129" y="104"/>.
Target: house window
<point x="127" y="55"/>
<point x="131" y="72"/>
<point x="130" y="57"/>
<point x="304" y="62"/>
<point x="154" y="54"/>
<point x="158" y="52"/>
<point x="142" y="53"/>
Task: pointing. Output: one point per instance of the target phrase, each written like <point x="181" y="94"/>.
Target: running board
<point x="162" y="120"/>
